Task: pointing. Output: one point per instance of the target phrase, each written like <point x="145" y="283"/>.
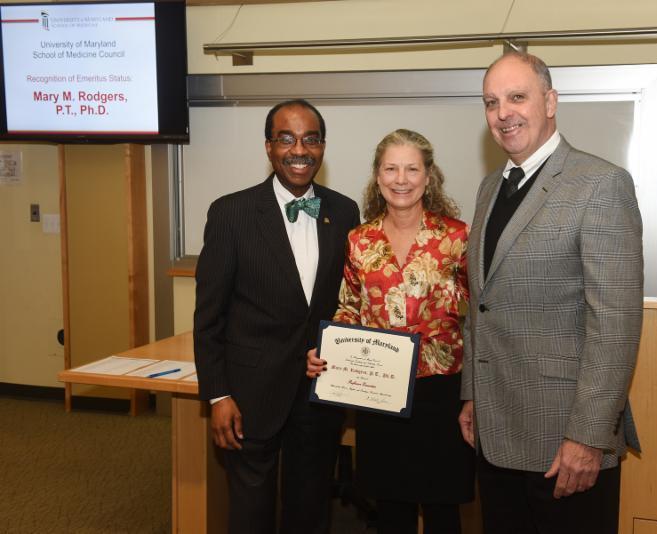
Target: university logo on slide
<point x="44" y="21"/>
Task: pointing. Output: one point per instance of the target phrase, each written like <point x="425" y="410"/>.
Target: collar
<point x="429" y="221"/>
<point x="533" y="162"/>
<point x="283" y="196"/>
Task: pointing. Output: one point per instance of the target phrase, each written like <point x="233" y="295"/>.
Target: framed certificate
<point x="367" y="368"/>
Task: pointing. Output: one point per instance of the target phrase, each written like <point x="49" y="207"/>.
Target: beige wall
<point x="394" y="18"/>
<point x="31" y="310"/>
<point x="30" y="273"/>
<point x="184" y="300"/>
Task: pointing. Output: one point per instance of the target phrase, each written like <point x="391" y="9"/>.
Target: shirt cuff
<point x="215" y="401"/>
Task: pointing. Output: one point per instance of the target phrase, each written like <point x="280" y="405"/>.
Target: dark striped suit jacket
<point x="551" y="338"/>
<point x="252" y="324"/>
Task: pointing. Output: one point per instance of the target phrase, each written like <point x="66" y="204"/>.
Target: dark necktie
<point x="309" y="205"/>
<point x="511" y="183"/>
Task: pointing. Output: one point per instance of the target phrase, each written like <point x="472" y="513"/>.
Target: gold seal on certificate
<point x="367" y="368"/>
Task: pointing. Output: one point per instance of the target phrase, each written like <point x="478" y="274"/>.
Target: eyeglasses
<point x="290" y="140"/>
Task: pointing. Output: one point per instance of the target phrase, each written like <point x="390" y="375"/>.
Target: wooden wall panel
<point x="97" y="253"/>
<point x="105" y="255"/>
<point x="137" y="245"/>
<point x="645" y="526"/>
<point x="639" y="472"/>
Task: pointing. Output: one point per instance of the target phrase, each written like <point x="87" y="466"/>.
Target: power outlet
<point x="35" y="213"/>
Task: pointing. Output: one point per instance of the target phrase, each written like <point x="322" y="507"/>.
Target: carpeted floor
<point x="93" y="473"/>
<point x="82" y="472"/>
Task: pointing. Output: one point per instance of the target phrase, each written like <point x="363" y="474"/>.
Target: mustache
<point x="299" y="160"/>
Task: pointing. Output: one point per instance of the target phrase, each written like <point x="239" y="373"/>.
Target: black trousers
<point x="307" y="446"/>
<point x="396" y="517"/>
<point x="521" y="502"/>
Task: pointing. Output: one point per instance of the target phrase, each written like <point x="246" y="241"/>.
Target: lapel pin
<point x="326" y="220"/>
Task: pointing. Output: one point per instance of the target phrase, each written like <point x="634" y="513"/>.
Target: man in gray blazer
<point x="556" y="281"/>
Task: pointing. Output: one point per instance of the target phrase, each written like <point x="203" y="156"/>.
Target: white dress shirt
<point x="303" y="238"/>
<point x="533" y="162"/>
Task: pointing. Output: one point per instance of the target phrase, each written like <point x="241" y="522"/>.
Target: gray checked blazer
<point x="552" y="333"/>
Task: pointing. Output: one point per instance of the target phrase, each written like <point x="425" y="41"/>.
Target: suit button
<point x="482" y="308"/>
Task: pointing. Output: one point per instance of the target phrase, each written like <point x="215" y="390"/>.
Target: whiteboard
<point x="227" y="151"/>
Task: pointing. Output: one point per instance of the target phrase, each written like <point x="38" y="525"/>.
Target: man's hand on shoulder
<point x="577" y="466"/>
<point x="226" y="424"/>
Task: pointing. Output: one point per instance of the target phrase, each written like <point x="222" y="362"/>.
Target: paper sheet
<point x="114" y="365"/>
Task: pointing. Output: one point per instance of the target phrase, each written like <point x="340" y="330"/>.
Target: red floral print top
<point x="421" y="296"/>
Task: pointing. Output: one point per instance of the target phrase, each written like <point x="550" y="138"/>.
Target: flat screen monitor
<point x="94" y="72"/>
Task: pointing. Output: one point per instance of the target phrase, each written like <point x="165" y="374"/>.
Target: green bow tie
<point x="309" y="205"/>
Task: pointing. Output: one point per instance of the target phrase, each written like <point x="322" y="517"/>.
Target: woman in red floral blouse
<point x="406" y="271"/>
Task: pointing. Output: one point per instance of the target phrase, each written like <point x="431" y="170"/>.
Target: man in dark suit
<point x="269" y="271"/>
<point x="550" y="342"/>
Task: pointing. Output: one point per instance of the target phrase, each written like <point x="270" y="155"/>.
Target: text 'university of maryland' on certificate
<point x="367" y="368"/>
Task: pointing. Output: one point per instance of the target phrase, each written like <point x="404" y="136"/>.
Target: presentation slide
<point x="80" y="68"/>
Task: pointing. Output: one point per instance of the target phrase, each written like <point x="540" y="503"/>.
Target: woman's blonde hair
<point x="434" y="198"/>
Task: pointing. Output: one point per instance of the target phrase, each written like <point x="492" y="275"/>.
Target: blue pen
<point x="162" y="373"/>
